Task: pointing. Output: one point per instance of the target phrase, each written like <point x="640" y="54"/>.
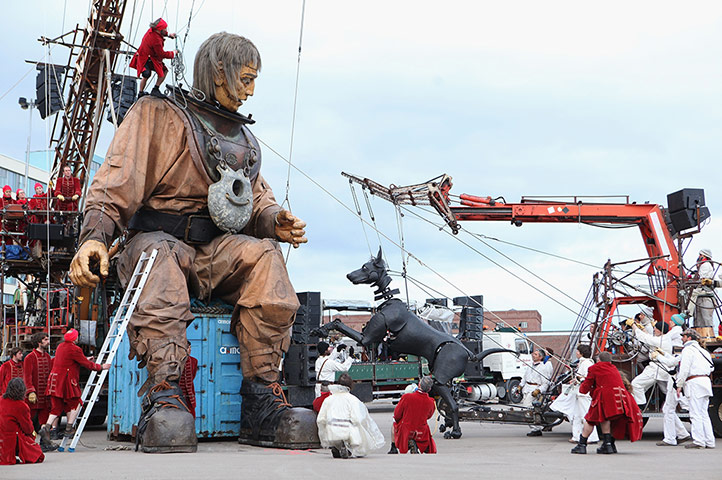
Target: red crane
<point x="664" y="262"/>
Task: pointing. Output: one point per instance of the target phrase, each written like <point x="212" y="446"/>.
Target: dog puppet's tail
<point x="480" y="356"/>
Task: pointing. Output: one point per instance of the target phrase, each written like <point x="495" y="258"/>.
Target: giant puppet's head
<point x="225" y="69"/>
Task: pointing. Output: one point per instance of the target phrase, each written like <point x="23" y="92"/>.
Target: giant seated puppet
<point x="182" y="176"/>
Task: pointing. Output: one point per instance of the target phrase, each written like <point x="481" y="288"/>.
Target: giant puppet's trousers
<point x="243" y="271"/>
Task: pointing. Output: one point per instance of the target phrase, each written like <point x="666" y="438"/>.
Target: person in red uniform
<point x="13" y="368"/>
<point x="7" y="198"/>
<point x="63" y="388"/>
<point x="186" y="382"/>
<point x="17" y="437"/>
<point x="20" y="197"/>
<point x="613" y="408"/>
<point x="410" y="429"/>
<point x="38" y="204"/>
<point x="68" y="191"/>
<point x="150" y="55"/>
<point x="36" y="369"/>
<point x="20" y="224"/>
<point x="325" y="393"/>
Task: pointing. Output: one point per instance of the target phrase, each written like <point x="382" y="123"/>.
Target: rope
<point x="358" y="213"/>
<point x="287" y="200"/>
<point x="399" y="225"/>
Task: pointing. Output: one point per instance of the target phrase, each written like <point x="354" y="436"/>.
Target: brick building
<point x="524" y="320"/>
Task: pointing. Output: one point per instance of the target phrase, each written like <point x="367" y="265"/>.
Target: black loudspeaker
<point x="41" y="231"/>
<point x="685" y="199"/>
<point x="471" y="320"/>
<point x="124" y="90"/>
<point x="47" y="89"/>
<point x="473" y="369"/>
<point x="686" y="219"/>
<point x="442" y="302"/>
<point x="299" y="365"/>
<point x="473" y="301"/>
<point x="308" y="317"/>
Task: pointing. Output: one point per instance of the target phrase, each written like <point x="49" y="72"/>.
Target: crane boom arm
<point x="648" y="217"/>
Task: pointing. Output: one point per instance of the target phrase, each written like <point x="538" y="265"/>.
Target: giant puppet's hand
<point x="290" y="229"/>
<point x="91" y="251"/>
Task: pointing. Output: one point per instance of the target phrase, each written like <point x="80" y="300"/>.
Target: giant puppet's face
<point x="244" y="86"/>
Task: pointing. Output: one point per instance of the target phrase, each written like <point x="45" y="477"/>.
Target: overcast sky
<point x="509" y="98"/>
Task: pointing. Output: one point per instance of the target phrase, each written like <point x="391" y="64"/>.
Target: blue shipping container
<point x="217" y="384"/>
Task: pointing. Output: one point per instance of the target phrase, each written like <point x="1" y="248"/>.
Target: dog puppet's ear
<point x="379" y="260"/>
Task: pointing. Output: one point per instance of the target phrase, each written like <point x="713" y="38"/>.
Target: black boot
<point x="393" y="449"/>
<point x="166" y="425"/>
<point x="156" y="93"/>
<point x="607" y="447"/>
<point x="45" y="435"/>
<point x="581" y="447"/>
<point x="268" y="420"/>
<point x="69" y="431"/>
<point x="614" y="445"/>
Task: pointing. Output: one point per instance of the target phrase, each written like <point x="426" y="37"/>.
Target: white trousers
<point x="527" y="400"/>
<point x="644" y="381"/>
<point x="702" y="432"/>
<point x="582" y="407"/>
<point x="673" y="427"/>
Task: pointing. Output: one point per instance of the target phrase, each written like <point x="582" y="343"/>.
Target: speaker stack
<point x="308" y="317"/>
<point x="471" y="321"/>
<point x="686" y="209"/>
<point x="299" y="365"/>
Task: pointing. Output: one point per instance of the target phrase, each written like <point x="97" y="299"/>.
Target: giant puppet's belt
<point x="195" y="228"/>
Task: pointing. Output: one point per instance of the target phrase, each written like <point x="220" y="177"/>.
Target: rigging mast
<point x="93" y="54"/>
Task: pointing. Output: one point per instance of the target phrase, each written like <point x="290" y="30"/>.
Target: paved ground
<point x="485" y="451"/>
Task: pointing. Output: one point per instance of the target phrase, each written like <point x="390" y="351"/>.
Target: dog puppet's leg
<point x="451" y="410"/>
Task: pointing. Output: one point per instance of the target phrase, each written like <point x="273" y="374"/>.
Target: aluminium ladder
<point x="110" y="346"/>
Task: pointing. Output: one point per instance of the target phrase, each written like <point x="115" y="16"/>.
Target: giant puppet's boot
<point x="268" y="420"/>
<point x="166" y="424"/>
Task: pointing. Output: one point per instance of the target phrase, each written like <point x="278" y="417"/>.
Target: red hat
<point x="7" y="188"/>
<point x="17" y="192"/>
<point x="71" y="335"/>
<point x="162" y="25"/>
<point x="38" y="185"/>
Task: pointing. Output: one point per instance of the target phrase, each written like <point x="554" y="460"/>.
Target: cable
<point x="287" y="200"/>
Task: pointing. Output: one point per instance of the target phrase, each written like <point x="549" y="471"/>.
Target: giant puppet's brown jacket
<point x="154" y="161"/>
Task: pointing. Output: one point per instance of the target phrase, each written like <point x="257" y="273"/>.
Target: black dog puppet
<point x="406" y="333"/>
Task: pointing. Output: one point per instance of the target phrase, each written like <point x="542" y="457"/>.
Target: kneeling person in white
<point x="344" y="423"/>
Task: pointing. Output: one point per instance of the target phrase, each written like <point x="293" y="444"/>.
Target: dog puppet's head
<point x="372" y="272"/>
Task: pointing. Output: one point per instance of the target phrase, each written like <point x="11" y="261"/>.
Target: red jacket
<point x="67" y="187"/>
<point x="611" y="401"/>
<point x="410" y="416"/>
<point x="63" y="380"/>
<point x="318" y="401"/>
<point x="38" y="202"/>
<point x="16" y="434"/>
<point x="36" y="370"/>
<point x="186" y="383"/>
<point x="8" y="371"/>
<point x="150" y="47"/>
